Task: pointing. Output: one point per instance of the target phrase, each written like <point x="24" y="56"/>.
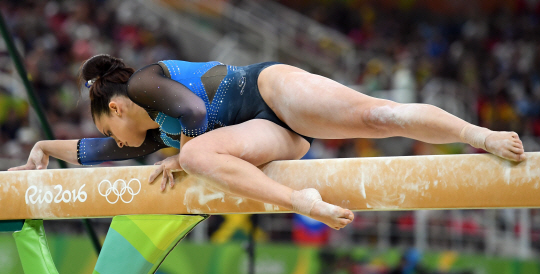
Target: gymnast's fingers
<point x="164" y="181"/>
<point x="171" y="178"/>
<point x="23" y="167"/>
<point x="154" y="174"/>
<point x="158" y="163"/>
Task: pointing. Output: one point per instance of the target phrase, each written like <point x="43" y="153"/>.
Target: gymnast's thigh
<point x="256" y="141"/>
<point x="316" y="106"/>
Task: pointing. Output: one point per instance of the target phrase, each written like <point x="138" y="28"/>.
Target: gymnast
<point x="227" y="120"/>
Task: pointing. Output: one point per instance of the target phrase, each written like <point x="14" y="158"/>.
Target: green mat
<point x="33" y="248"/>
<point x="134" y="243"/>
<point x="138" y="244"/>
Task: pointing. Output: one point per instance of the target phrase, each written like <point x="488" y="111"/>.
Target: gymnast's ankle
<point x="475" y="136"/>
<point x="304" y="200"/>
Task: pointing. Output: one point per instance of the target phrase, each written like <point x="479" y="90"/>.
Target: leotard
<point x="189" y="98"/>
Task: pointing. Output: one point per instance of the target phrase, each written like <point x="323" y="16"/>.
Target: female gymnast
<point x="227" y="120"/>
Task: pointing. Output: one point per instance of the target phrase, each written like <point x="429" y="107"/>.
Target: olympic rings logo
<point x="119" y="188"/>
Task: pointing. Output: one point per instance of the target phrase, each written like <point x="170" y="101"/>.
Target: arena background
<point x="478" y="59"/>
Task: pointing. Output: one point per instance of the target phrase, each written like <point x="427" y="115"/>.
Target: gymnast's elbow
<point x="194" y="118"/>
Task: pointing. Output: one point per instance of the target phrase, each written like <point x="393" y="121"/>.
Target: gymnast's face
<point x="121" y="124"/>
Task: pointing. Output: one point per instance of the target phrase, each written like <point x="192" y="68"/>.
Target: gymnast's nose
<point x="120" y="144"/>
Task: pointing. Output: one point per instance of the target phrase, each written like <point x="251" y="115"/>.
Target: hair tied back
<point x="89" y="83"/>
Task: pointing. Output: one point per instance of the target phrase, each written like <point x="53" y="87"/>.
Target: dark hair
<point x="111" y="76"/>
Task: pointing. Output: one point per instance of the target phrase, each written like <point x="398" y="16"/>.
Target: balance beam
<point x="360" y="184"/>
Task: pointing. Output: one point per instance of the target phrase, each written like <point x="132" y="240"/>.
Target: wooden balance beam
<point x="360" y="184"/>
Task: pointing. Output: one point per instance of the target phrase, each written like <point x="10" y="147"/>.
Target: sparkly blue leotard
<point x="189" y="98"/>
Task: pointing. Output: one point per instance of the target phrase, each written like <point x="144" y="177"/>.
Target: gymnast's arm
<point x="39" y="155"/>
<point x="151" y="89"/>
<point x="93" y="151"/>
<point x="88" y="151"/>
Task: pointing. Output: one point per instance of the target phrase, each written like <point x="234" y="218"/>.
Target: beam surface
<point x="360" y="184"/>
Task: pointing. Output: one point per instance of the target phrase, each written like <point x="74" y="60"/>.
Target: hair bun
<point x="99" y="72"/>
<point x="100" y="66"/>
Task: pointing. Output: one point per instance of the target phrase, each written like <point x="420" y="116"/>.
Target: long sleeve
<point x="151" y="89"/>
<point x="93" y="151"/>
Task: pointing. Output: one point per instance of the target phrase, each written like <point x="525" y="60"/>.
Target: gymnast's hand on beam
<point x="37" y="159"/>
<point x="167" y="167"/>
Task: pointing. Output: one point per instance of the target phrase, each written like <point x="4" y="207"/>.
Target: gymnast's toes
<point x="333" y="216"/>
<point x="506" y="145"/>
<point x="346" y="215"/>
<point x="344" y="222"/>
<point x="513" y="154"/>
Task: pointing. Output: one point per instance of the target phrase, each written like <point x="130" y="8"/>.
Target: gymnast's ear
<point x="114" y="107"/>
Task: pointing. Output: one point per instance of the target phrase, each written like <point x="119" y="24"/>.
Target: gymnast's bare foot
<point x="333" y="216"/>
<point x="309" y="202"/>
<point x="506" y="145"/>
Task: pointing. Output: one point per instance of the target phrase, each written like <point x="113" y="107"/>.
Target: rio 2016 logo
<point x="35" y="196"/>
<point x="113" y="192"/>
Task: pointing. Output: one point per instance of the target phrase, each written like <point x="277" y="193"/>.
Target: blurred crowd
<point x="55" y="37"/>
<point x="476" y="59"/>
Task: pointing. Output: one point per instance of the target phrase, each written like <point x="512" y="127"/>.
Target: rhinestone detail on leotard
<point x="180" y="71"/>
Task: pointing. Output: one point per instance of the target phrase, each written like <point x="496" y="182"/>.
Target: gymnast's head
<point x="114" y="114"/>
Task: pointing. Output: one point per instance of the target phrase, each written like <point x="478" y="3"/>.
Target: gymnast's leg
<point x="319" y="107"/>
<point x="228" y="158"/>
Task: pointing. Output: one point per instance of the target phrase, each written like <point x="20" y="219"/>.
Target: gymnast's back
<point x="183" y="97"/>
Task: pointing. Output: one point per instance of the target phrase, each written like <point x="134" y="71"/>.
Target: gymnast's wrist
<point x="43" y="146"/>
<point x="39" y="145"/>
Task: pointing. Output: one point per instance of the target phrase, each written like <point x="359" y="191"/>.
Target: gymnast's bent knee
<point x="194" y="157"/>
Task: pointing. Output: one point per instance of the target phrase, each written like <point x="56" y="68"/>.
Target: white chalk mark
<point x="268" y="207"/>
<point x="239" y="200"/>
<point x="202" y="199"/>
<point x="507" y="170"/>
<point x="362" y="186"/>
